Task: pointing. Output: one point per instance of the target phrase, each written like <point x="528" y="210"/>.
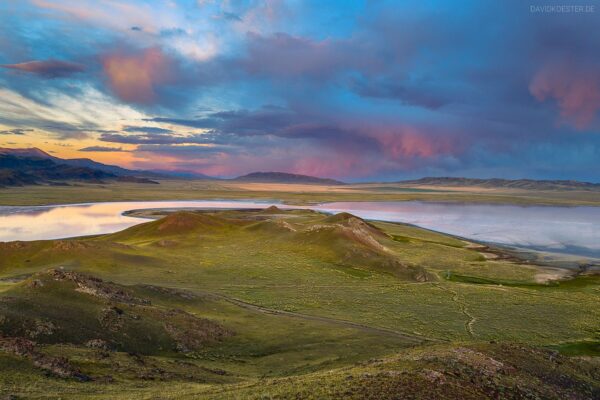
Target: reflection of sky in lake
<point x="574" y="230"/>
<point x="560" y="229"/>
<point x="53" y="222"/>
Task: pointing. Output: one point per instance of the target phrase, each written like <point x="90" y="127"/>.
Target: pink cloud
<point x="407" y="143"/>
<point x="136" y="77"/>
<point x="576" y="91"/>
<point x="332" y="165"/>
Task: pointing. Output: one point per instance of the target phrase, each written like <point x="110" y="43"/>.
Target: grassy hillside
<point x="289" y="304"/>
<point x="58" y="306"/>
<point x="476" y="371"/>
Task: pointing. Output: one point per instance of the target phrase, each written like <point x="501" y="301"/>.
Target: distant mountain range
<point x="530" y="184"/>
<point x="33" y="166"/>
<point x="34" y="152"/>
<point x="18" y="171"/>
<point x="282" y="177"/>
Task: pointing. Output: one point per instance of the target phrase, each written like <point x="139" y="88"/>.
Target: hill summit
<point x="284" y="177"/>
<point x="177" y="223"/>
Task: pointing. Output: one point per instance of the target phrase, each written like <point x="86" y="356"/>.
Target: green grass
<point x="582" y="348"/>
<point x="307" y="296"/>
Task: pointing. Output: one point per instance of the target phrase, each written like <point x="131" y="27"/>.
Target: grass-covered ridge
<point x="58" y="306"/>
<point x="215" y="304"/>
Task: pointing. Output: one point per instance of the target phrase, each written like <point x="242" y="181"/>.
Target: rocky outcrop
<point x="96" y="287"/>
<point x="57" y="366"/>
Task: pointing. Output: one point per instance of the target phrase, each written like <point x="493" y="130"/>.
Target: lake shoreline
<point x="448" y="218"/>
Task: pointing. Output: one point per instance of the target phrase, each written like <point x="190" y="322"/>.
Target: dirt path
<point x="348" y="324"/>
<point x="340" y="322"/>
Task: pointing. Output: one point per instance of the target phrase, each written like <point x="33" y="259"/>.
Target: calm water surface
<point x="568" y="230"/>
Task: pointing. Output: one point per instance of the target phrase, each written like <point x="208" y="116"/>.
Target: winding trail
<point x="463" y="309"/>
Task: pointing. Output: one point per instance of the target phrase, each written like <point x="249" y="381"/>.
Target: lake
<point x="564" y="230"/>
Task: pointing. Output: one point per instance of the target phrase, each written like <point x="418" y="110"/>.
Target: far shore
<point x="292" y="194"/>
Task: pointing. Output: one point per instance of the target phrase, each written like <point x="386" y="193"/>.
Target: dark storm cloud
<point x="230" y="126"/>
<point x="201" y="123"/>
<point x="187" y="149"/>
<point x="410" y="93"/>
<point x="16" y="131"/>
<point x="146" y="129"/>
<point x="65" y="131"/>
<point x="152" y="138"/>
<point x="102" y="149"/>
<point x="241" y="122"/>
<point x="229" y="16"/>
<point x="47" y="68"/>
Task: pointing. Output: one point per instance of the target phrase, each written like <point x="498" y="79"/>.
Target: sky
<point x="353" y="90"/>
